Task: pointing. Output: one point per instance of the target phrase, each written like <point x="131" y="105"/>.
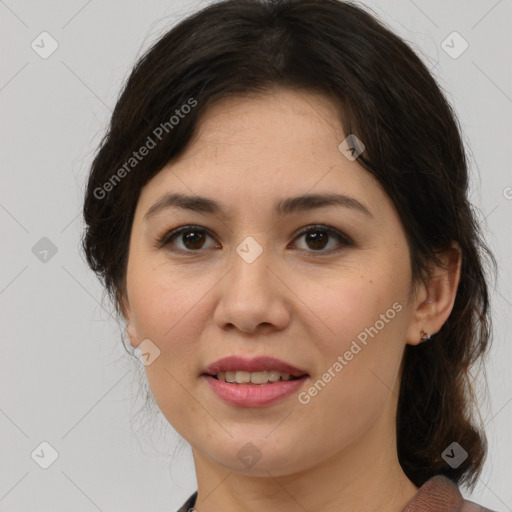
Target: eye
<point x="191" y="237"/>
<point x="317" y="237"/>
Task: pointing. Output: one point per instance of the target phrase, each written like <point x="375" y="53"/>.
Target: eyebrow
<point x="282" y="208"/>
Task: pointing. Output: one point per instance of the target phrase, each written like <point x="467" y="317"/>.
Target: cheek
<point x="166" y="311"/>
<point x="172" y="313"/>
<point x="359" y="371"/>
<point x="362" y="319"/>
<point x="352" y="305"/>
<point x="161" y="304"/>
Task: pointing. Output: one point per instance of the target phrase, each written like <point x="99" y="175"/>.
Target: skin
<point x="197" y="307"/>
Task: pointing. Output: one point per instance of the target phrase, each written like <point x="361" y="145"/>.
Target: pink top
<point x="438" y="494"/>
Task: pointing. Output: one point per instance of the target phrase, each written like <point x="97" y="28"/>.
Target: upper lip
<point x="256" y="364"/>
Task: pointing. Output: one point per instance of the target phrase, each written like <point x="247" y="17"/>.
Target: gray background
<point x="64" y="377"/>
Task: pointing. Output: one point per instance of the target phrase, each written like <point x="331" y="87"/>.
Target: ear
<point x="129" y="326"/>
<point x="434" y="299"/>
<point x="132" y="336"/>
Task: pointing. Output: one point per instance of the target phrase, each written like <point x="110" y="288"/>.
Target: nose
<point x="253" y="298"/>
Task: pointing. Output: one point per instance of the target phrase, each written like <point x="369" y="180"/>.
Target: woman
<point x="279" y="212"/>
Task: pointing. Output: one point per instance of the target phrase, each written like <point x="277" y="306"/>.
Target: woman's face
<point x="259" y="275"/>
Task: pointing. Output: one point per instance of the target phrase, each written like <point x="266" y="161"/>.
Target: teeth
<point x="259" y="377"/>
<point x="230" y="376"/>
<point x="242" y="377"/>
<point x="273" y="376"/>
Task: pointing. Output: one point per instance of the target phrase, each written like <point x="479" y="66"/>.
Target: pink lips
<point x="257" y="364"/>
<point x="253" y="395"/>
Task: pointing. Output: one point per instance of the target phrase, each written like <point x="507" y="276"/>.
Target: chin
<point x="258" y="457"/>
<point x="274" y="466"/>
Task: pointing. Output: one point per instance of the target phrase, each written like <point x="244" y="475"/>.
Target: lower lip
<point x="254" y="395"/>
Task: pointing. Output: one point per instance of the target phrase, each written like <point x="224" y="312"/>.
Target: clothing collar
<point x="438" y="494"/>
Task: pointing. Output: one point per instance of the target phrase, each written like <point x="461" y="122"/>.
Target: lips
<point x="265" y="392"/>
<point x="257" y="364"/>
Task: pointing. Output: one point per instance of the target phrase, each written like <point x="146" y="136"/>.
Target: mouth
<point x="256" y="382"/>
<point x="261" y="378"/>
<point x="258" y="370"/>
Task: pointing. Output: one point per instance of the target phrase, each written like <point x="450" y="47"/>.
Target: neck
<point x="366" y="477"/>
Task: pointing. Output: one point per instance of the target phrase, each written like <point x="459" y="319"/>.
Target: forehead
<point x="281" y="116"/>
<point x="262" y="148"/>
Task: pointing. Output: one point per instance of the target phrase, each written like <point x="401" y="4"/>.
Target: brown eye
<point x="193" y="239"/>
<point x="317" y="238"/>
<point x="186" y="239"/>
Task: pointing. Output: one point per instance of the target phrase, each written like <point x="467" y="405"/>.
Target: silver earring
<point x="424" y="335"/>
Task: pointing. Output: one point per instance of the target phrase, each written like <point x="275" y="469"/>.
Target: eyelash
<point x="166" y="239"/>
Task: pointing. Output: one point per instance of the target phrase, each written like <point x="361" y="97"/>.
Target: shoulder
<point x="443" y="495"/>
<point x="188" y="506"/>
<point x="438" y="491"/>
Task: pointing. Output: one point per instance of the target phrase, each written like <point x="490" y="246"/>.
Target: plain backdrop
<point x="65" y="379"/>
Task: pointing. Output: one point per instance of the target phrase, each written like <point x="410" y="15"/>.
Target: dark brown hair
<point x="389" y="100"/>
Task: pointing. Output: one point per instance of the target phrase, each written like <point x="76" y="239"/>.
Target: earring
<point x="424" y="335"/>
